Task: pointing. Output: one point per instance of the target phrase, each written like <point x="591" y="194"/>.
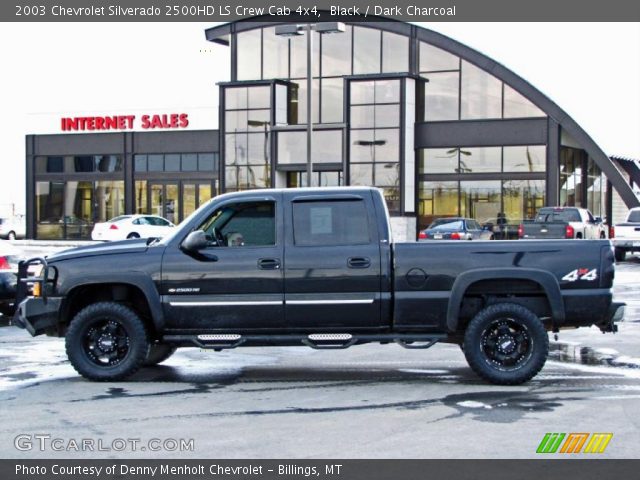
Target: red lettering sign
<point x="124" y="122"/>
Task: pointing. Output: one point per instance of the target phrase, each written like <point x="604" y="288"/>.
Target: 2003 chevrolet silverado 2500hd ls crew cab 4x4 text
<point x="315" y="267"/>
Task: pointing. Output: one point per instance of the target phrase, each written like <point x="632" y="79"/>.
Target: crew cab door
<point x="235" y="283"/>
<point x="332" y="263"/>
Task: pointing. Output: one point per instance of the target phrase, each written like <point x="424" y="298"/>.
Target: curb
<point x="577" y="353"/>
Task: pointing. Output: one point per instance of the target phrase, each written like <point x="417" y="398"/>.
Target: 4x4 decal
<point x="581" y="274"/>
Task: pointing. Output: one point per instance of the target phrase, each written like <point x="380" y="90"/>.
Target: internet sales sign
<point x="124" y="122"/>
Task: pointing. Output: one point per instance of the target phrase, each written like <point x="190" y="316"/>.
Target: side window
<point x="330" y="223"/>
<point x="243" y="224"/>
<point x="590" y="217"/>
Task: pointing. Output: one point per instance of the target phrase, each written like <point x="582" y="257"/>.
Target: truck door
<point x="332" y="263"/>
<point x="236" y="283"/>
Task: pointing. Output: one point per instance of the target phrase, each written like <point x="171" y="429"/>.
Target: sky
<point x="50" y="70"/>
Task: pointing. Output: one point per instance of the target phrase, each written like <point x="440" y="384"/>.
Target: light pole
<point x="292" y="30"/>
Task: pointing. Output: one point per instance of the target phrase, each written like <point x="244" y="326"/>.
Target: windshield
<point x="446" y="224"/>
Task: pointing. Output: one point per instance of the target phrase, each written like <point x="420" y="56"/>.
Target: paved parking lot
<point x="366" y="402"/>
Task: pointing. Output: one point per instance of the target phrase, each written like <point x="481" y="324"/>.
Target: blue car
<point x="455" y="228"/>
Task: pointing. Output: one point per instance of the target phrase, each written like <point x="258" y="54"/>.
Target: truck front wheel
<point x="106" y="341"/>
<point x="506" y="344"/>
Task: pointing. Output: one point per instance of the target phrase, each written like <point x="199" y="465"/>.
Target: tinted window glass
<point x="330" y="223"/>
<point x="567" y="215"/>
<point x="244" y="224"/>
<point x="446" y="224"/>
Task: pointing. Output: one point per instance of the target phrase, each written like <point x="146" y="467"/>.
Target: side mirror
<point x="195" y="241"/>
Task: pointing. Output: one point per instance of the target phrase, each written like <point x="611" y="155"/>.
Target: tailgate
<point x="549" y="230"/>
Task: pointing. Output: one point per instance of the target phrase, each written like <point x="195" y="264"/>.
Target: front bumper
<point x="37" y="314"/>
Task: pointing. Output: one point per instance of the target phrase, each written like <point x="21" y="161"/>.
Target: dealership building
<point x="441" y="129"/>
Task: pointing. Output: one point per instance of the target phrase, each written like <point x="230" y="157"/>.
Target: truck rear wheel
<point x="506" y="344"/>
<point x="106" y="341"/>
<point x="158" y="353"/>
<point x="620" y="254"/>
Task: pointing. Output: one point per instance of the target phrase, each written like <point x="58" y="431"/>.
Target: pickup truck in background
<point x="627" y="235"/>
<point x="314" y="267"/>
<point x="563" y="222"/>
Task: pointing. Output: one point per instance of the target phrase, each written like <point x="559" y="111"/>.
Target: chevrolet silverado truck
<point x="314" y="267"/>
<point x="627" y="235"/>
<point x="563" y="222"/>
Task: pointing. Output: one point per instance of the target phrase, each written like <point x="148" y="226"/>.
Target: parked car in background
<point x="627" y="235"/>
<point x="564" y="222"/>
<point x="8" y="277"/>
<point x="455" y="228"/>
<point x="503" y="228"/>
<point x="13" y="227"/>
<point x="132" y="226"/>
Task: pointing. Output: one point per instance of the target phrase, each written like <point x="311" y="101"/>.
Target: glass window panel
<point x="204" y="193"/>
<point x="530" y="158"/>
<point x="172" y="203"/>
<point x="387" y="145"/>
<point x="438" y="160"/>
<point x="275" y="54"/>
<point x="260" y="97"/>
<point x="362" y="92"/>
<point x="442" y="96"/>
<point x="140" y="163"/>
<point x="330" y="179"/>
<point x="361" y="174"/>
<point x="259" y="176"/>
<point x="236" y="121"/>
<point x="249" y="48"/>
<point x="436" y="200"/>
<point x="395" y="52"/>
<point x="188" y="198"/>
<point x="480" y="200"/>
<point x="387" y="116"/>
<point x="516" y="106"/>
<point x="434" y="59"/>
<point x="109" y="200"/>
<point x="336" y="53"/>
<point x="258" y="119"/>
<point x="481" y="93"/>
<point x="83" y="163"/>
<point x="362" y="146"/>
<point x="387" y="175"/>
<point x="332" y="100"/>
<point x="522" y="199"/>
<point x="207" y="162"/>
<point x="108" y="163"/>
<point x="258" y="144"/>
<point x="49" y="210"/>
<point x="172" y="162"/>
<point x="480" y="160"/>
<point x="236" y="149"/>
<point x="141" y="197"/>
<point x="327" y="147"/>
<point x="235" y="98"/>
<point x="54" y="165"/>
<point x="299" y="103"/>
<point x="362" y="116"/>
<point x="366" y="50"/>
<point x="387" y="91"/>
<point x="156" y="163"/>
<point x="299" y="55"/>
<point x="78" y="210"/>
<point x="189" y="162"/>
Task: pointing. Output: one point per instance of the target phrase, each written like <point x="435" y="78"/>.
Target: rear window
<point x="444" y="224"/>
<point x="327" y="223"/>
<point x="634" y="216"/>
<point x="119" y="219"/>
<point x="565" y="215"/>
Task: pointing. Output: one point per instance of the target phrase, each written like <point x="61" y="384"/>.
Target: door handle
<point x="359" y="262"/>
<point x="269" y="263"/>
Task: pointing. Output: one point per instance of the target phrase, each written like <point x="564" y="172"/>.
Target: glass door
<point x="164" y="201"/>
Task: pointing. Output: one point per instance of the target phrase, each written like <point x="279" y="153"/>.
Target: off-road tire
<point x="80" y="334"/>
<point x="530" y="336"/>
<point x="620" y="254"/>
<point x="158" y="353"/>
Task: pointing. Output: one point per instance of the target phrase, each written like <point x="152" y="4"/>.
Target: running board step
<point x="318" y="341"/>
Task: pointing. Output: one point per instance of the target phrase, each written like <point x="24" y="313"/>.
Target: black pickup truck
<point x="314" y="267"/>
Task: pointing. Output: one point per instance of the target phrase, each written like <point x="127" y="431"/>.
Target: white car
<point x="627" y="235"/>
<point x="12" y="227"/>
<point x="131" y="226"/>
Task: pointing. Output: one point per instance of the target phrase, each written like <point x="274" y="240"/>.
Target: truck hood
<point x="109" y="248"/>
